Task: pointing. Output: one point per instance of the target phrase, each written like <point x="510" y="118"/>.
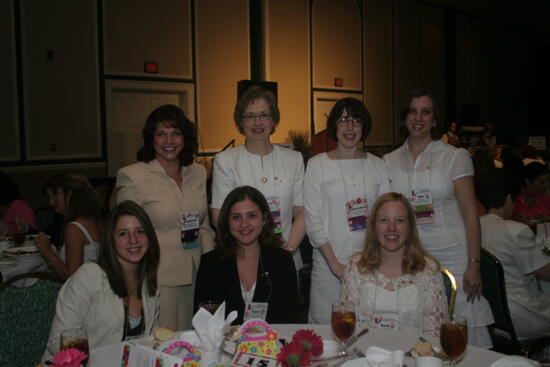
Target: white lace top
<point x="421" y="300"/>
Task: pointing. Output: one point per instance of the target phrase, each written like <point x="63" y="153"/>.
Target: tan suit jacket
<point x="148" y="185"/>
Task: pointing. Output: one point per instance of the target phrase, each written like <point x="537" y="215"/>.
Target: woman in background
<point x="13" y="210"/>
<point x="438" y="179"/>
<point x="534" y="202"/>
<point x="172" y="190"/>
<point x="72" y="196"/>
<point x="249" y="270"/>
<point x="117" y="298"/>
<point x="340" y="187"/>
<point x="394" y="283"/>
<point x="277" y="172"/>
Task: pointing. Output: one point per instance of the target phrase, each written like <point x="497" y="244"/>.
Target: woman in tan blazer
<point x="172" y="190"/>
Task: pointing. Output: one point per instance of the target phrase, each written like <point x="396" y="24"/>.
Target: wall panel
<point x="336" y="27"/>
<point x="61" y="79"/>
<point x="287" y="59"/>
<point x="378" y="69"/>
<point x="463" y="63"/>
<point x="9" y="128"/>
<point x="432" y="54"/>
<point x="136" y="31"/>
<point x="222" y="60"/>
<point x="406" y="28"/>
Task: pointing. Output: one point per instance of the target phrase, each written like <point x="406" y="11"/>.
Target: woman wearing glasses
<point x="277" y="172"/>
<point x="340" y="187"/>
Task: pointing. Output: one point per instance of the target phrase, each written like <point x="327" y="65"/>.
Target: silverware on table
<point x="354" y="338"/>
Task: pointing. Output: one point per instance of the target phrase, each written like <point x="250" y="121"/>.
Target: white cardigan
<point x="87" y="300"/>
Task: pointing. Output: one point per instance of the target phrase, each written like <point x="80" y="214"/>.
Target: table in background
<point x="109" y="356"/>
<point x="22" y="266"/>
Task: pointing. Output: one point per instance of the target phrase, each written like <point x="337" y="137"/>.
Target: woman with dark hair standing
<point x="438" y="179"/>
<point x="339" y="189"/>
<point x="117" y="298"/>
<point x="276" y="171"/>
<point x="534" y="203"/>
<point x="172" y="190"/>
<point x="12" y="206"/>
<point x="248" y="270"/>
<point x="72" y="195"/>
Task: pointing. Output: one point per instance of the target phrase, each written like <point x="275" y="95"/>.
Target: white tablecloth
<point x="109" y="356"/>
<point x="24" y="265"/>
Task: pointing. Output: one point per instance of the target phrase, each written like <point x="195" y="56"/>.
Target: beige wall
<point x="222" y="60"/>
<point x="9" y="127"/>
<point x="136" y="31"/>
<point x="62" y="94"/>
<point x="287" y="59"/>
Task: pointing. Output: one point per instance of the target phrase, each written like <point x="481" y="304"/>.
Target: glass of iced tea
<point x="75" y="338"/>
<point x="343" y="321"/>
<point x="454" y="337"/>
<point x="210" y="306"/>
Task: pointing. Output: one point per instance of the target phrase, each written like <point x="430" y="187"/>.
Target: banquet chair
<point x="26" y="314"/>
<point x="449" y="282"/>
<point x="503" y="333"/>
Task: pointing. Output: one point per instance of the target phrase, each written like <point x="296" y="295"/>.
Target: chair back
<point x="449" y="282"/>
<point x="494" y="290"/>
<point x="26" y="314"/>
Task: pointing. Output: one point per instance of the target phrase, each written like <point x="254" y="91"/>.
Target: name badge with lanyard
<point x="255" y="310"/>
<point x="422" y="203"/>
<point x="190" y="223"/>
<point x="357" y="212"/>
<point x="384" y="321"/>
<point x="275" y="209"/>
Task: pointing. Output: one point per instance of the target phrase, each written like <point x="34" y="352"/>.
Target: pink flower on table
<point x="71" y="357"/>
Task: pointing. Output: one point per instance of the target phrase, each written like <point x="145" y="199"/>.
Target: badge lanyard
<point x="422" y="201"/>
<point x="272" y="200"/>
<point x="190" y="221"/>
<point x="357" y="210"/>
<point x="379" y="321"/>
<point x="259" y="309"/>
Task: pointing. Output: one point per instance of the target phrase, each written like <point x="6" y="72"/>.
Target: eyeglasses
<point x="355" y="121"/>
<point x="251" y="117"/>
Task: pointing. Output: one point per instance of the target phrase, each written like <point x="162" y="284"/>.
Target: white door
<point x="129" y="110"/>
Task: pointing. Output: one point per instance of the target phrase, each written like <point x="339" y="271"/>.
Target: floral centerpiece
<point x="305" y="344"/>
<point x="70" y="357"/>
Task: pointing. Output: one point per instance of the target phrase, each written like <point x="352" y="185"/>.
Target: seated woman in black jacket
<point x="248" y="269"/>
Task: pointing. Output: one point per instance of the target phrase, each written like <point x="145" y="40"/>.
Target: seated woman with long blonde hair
<point x="394" y="283"/>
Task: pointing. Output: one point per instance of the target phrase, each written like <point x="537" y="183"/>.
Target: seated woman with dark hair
<point x="72" y="195"/>
<point x="394" y="283"/>
<point x="117" y="298"/>
<point x="249" y="268"/>
<point x="534" y="203"/>
<point x="12" y="208"/>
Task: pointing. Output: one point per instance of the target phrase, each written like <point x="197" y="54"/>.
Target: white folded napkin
<point x="379" y="357"/>
<point x="514" y="361"/>
<point x="210" y="328"/>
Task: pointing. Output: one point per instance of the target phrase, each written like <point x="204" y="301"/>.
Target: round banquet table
<point x="109" y="356"/>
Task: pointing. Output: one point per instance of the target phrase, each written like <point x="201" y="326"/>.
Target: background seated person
<point x="534" y="203"/>
<point x="394" y="282"/>
<point x="249" y="268"/>
<point x="117" y="298"/>
<point x="513" y="243"/>
<point x="12" y="208"/>
<point x="73" y="196"/>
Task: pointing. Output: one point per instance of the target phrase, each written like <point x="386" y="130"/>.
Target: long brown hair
<point x="414" y="257"/>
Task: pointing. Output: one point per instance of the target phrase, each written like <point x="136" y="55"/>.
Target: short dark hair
<point x="175" y="118"/>
<point x="355" y="108"/>
<point x="494" y="186"/>
<point x="108" y="257"/>
<point x="534" y="170"/>
<point x="437" y="130"/>
<point x="8" y="189"/>
<point x="227" y="246"/>
<point x="250" y="95"/>
<point x="80" y="196"/>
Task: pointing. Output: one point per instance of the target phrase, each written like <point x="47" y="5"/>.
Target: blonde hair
<point x="414" y="257"/>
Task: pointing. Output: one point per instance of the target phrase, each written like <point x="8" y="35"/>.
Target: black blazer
<point x="276" y="284"/>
